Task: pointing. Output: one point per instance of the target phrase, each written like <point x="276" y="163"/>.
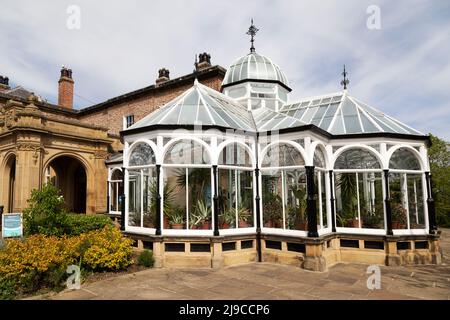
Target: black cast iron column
<point x="387" y="204"/>
<point x="122" y="203"/>
<point x="311" y="202"/>
<point x="430" y="204"/>
<point x="158" y="200"/>
<point x="216" y="201"/>
<point x="258" y="215"/>
<point x="333" y="216"/>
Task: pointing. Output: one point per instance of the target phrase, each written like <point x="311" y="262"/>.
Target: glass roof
<point x="201" y="105"/>
<point x="337" y="113"/>
<point x="340" y="113"/>
<point x="254" y="66"/>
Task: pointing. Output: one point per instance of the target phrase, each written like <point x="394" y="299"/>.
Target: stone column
<point x="314" y="259"/>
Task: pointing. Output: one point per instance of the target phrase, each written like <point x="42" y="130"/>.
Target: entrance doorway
<point x="69" y="175"/>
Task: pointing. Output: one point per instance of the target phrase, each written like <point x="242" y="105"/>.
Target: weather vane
<point x="345" y="81"/>
<point x="252" y="32"/>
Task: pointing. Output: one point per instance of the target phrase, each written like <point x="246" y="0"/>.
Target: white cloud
<point x="402" y="69"/>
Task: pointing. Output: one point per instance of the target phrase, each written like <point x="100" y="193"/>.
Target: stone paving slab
<point x="262" y="281"/>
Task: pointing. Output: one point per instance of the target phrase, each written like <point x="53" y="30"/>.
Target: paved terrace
<point x="273" y="281"/>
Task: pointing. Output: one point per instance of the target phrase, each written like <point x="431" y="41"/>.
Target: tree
<point x="439" y="154"/>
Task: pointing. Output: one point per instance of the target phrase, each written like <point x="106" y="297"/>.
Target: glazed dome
<point x="254" y="66"/>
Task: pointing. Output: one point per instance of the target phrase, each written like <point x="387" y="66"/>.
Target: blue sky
<point x="402" y="69"/>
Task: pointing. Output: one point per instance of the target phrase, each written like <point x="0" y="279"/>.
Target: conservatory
<point x="217" y="178"/>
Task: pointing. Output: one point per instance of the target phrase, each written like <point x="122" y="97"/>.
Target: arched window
<point x="235" y="185"/>
<point x="320" y="181"/>
<point x="141" y="155"/>
<point x="404" y="159"/>
<point x="357" y="158"/>
<point x="142" y="186"/>
<point x="115" y="190"/>
<point x="284" y="188"/>
<point x="187" y="152"/>
<point x="187" y="194"/>
<point x="282" y="155"/>
<point x="358" y="184"/>
<point x="406" y="190"/>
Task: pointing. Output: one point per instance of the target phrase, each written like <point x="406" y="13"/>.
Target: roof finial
<point x="195" y="69"/>
<point x="345" y="81"/>
<point x="252" y="32"/>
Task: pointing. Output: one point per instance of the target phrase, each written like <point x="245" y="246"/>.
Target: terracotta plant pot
<point x="166" y="222"/>
<point x="206" y="225"/>
<point x="301" y="226"/>
<point x="398" y="225"/>
<point x="243" y="224"/>
<point x="269" y="224"/>
<point x="178" y="226"/>
<point x="354" y="223"/>
<point x="224" y="225"/>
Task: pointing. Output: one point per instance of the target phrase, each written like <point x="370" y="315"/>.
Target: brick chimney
<point x="163" y="76"/>
<point x="204" y="61"/>
<point x="4" y="84"/>
<point x="65" y="88"/>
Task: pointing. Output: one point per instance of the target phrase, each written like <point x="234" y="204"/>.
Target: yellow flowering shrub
<point x="107" y="250"/>
<point x="40" y="260"/>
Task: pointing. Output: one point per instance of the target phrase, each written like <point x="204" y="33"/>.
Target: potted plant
<point x="398" y="213"/>
<point x="227" y="218"/>
<point x="201" y="218"/>
<point x="272" y="210"/>
<point x="177" y="218"/>
<point x="353" y="222"/>
<point x="243" y="217"/>
<point x="298" y="212"/>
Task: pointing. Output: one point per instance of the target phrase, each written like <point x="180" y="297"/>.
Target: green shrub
<point x="77" y="224"/>
<point x="45" y="213"/>
<point x="146" y="258"/>
<point x="7" y="288"/>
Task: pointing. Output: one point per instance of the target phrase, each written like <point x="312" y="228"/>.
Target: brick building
<point x="41" y="142"/>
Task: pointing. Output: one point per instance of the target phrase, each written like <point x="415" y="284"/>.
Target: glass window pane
<point x="356" y="158"/>
<point x="319" y="158"/>
<point x="227" y="198"/>
<point x="244" y="198"/>
<point x="134" y="198"/>
<point x="235" y="155"/>
<point x="199" y="198"/>
<point x="141" y="155"/>
<point x="272" y="204"/>
<point x="295" y="199"/>
<point x="371" y="204"/>
<point x="281" y="155"/>
<point x="174" y="198"/>
<point x="187" y="152"/>
<point x="117" y="175"/>
<point x="406" y="200"/>
<point x="404" y="158"/>
<point x="149" y="197"/>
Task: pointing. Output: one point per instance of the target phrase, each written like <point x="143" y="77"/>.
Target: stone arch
<point x="8" y="185"/>
<point x="73" y="176"/>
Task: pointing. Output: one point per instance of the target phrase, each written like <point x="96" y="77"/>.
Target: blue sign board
<point x="12" y="225"/>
